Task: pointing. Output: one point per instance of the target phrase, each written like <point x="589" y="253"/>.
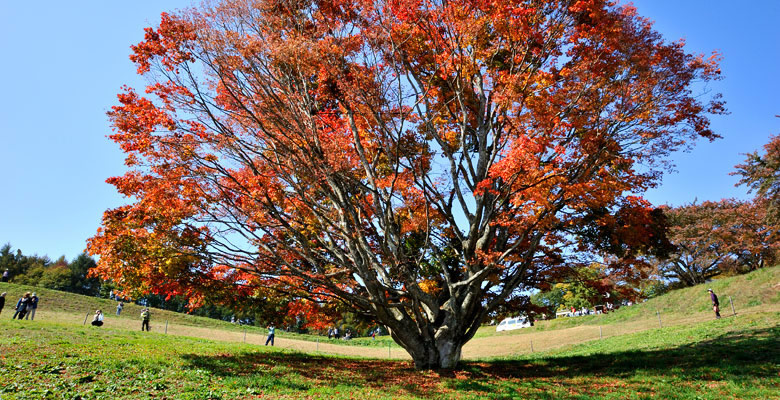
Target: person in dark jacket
<point x="21" y="306"/>
<point x="145" y="317"/>
<point x="2" y="301"/>
<point x="32" y="306"/>
<point x="715" y="303"/>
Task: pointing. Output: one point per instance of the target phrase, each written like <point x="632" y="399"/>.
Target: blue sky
<point x="63" y="64"/>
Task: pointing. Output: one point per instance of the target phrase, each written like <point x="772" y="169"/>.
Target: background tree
<point x="595" y="285"/>
<point x="55" y="276"/>
<point x="80" y="282"/>
<point x="714" y="238"/>
<point x="29" y="270"/>
<point x="16" y="263"/>
<point x="761" y="173"/>
<point x="424" y="162"/>
<point x="754" y="237"/>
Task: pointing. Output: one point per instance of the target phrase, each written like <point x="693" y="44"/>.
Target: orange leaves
<point x="171" y="43"/>
<point x="136" y="119"/>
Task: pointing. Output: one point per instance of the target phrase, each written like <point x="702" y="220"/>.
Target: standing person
<point x="715" y="303"/>
<point x="98" y="319"/>
<point x="145" y="316"/>
<point x="119" y="308"/>
<point x="32" y="306"/>
<point x="271" y="331"/>
<point x="2" y="301"/>
<point x="6" y="275"/>
<point x="18" y="304"/>
<point x="21" y="306"/>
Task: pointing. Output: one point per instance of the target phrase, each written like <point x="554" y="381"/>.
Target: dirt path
<point x="509" y="344"/>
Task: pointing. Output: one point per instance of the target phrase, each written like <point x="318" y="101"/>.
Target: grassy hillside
<point x="64" y="302"/>
<point x="756" y="290"/>
<point x="64" y="306"/>
<point x="729" y="358"/>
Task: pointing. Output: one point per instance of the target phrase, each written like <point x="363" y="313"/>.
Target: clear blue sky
<point x="63" y="63"/>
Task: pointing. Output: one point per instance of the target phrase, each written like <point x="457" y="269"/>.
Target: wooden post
<point x="85" y="318"/>
<point x="601" y="334"/>
<point x="166" y="326"/>
<point x="532" y="346"/>
<point x="658" y="313"/>
<point x="732" y="306"/>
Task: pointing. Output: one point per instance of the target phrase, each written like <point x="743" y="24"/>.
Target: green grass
<point x="64" y="302"/>
<point x="757" y="288"/>
<point x="735" y="357"/>
<point x="80" y="305"/>
<point x="750" y="290"/>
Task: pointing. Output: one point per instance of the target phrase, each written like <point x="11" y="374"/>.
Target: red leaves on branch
<point x="169" y="43"/>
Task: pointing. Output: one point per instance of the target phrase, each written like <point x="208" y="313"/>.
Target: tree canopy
<point x="761" y="173"/>
<point x="423" y="161"/>
<point x="718" y="237"/>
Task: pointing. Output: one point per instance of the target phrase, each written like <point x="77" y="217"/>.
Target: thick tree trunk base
<point x="444" y="355"/>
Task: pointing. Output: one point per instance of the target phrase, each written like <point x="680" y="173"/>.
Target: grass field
<point x="691" y="357"/>
<point x="754" y="292"/>
<point x="729" y="358"/>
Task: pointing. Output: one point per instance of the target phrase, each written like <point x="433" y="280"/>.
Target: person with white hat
<point x="32" y="306"/>
<point x="715" y="303"/>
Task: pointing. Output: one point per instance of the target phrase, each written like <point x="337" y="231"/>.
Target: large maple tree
<point x="423" y="161"/>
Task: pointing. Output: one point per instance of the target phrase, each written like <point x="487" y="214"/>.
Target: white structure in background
<point x="509" y="324"/>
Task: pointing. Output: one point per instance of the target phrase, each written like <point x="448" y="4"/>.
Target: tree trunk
<point x="440" y="348"/>
<point x="443" y="354"/>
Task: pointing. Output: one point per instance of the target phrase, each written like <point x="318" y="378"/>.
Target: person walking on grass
<point x="271" y="331"/>
<point x="31" y="307"/>
<point x="98" y="319"/>
<point x="2" y="301"/>
<point x="119" y="308"/>
<point x="145" y="317"/>
<point x="715" y="303"/>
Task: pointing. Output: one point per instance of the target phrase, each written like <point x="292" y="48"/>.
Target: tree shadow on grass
<point x="737" y="356"/>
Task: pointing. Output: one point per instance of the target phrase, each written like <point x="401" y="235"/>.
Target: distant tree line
<point x="58" y="274"/>
<point x="72" y="276"/>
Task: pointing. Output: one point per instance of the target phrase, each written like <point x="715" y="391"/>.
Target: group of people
<point x="334" y="333"/>
<point x="146" y="316"/>
<point x="25" y="307"/>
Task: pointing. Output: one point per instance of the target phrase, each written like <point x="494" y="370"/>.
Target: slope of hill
<point x="70" y="303"/>
<point x="729" y="358"/>
<point x="756" y="291"/>
<point x="759" y="290"/>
